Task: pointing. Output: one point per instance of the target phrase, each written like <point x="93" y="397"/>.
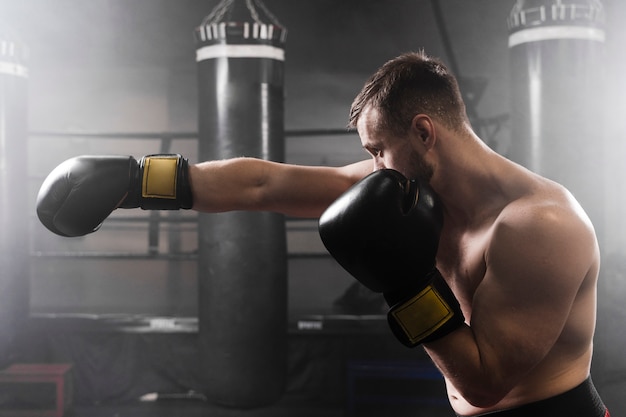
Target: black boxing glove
<point x="385" y="232"/>
<point x="81" y="192"/>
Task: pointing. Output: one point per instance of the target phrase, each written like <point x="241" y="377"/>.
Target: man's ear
<point x="423" y="129"/>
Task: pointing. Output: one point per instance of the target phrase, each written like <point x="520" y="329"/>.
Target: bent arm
<point x="258" y="185"/>
<point x="535" y="269"/>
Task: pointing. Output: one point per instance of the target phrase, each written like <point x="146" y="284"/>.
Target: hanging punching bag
<point x="242" y="269"/>
<point x="556" y="62"/>
<point x="14" y="218"/>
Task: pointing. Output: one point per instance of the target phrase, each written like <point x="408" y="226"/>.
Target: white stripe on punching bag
<point x="539" y="34"/>
<point x="239" y="51"/>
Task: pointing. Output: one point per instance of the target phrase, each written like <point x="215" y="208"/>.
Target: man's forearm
<point x="259" y="185"/>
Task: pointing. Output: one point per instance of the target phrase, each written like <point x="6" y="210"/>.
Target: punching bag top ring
<point x="13" y="55"/>
<point x="539" y="20"/>
<point x="241" y="22"/>
<point x="240" y="29"/>
<point x="532" y="13"/>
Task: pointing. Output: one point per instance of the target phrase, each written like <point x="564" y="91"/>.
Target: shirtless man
<point x="518" y="252"/>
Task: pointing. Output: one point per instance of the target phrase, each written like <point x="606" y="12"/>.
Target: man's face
<point x="389" y="150"/>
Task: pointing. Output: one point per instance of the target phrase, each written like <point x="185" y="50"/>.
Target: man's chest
<point x="461" y="261"/>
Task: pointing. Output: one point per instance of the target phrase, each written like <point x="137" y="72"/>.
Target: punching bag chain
<point x="217" y="15"/>
<point x="253" y="12"/>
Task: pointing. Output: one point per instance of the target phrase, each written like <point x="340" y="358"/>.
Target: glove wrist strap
<point x="428" y="315"/>
<point x="161" y="183"/>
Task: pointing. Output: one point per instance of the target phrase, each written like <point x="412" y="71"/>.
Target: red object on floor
<point x="38" y="373"/>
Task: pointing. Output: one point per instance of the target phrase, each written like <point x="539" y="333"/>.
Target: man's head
<point x="413" y="83"/>
<point x="397" y="111"/>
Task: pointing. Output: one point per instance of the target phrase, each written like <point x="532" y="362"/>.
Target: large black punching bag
<point x="556" y="66"/>
<point x="242" y="255"/>
<point x="14" y="216"/>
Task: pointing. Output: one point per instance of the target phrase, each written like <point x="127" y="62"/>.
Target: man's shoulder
<point x="548" y="212"/>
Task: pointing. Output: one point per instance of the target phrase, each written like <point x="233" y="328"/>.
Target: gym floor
<point x="201" y="409"/>
<point x="287" y="407"/>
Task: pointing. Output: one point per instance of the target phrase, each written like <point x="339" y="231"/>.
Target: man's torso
<point x="462" y="261"/>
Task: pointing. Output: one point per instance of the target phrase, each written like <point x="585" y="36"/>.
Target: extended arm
<point x="81" y="192"/>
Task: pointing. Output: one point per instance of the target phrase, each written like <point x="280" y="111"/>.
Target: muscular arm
<point x="536" y="265"/>
<point x="258" y="185"/>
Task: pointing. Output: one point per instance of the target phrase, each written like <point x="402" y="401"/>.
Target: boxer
<point x="501" y="293"/>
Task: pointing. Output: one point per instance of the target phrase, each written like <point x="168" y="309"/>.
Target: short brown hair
<point x="411" y="84"/>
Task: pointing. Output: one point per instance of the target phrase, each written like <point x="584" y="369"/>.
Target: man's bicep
<point x="306" y="191"/>
<point x="524" y="300"/>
